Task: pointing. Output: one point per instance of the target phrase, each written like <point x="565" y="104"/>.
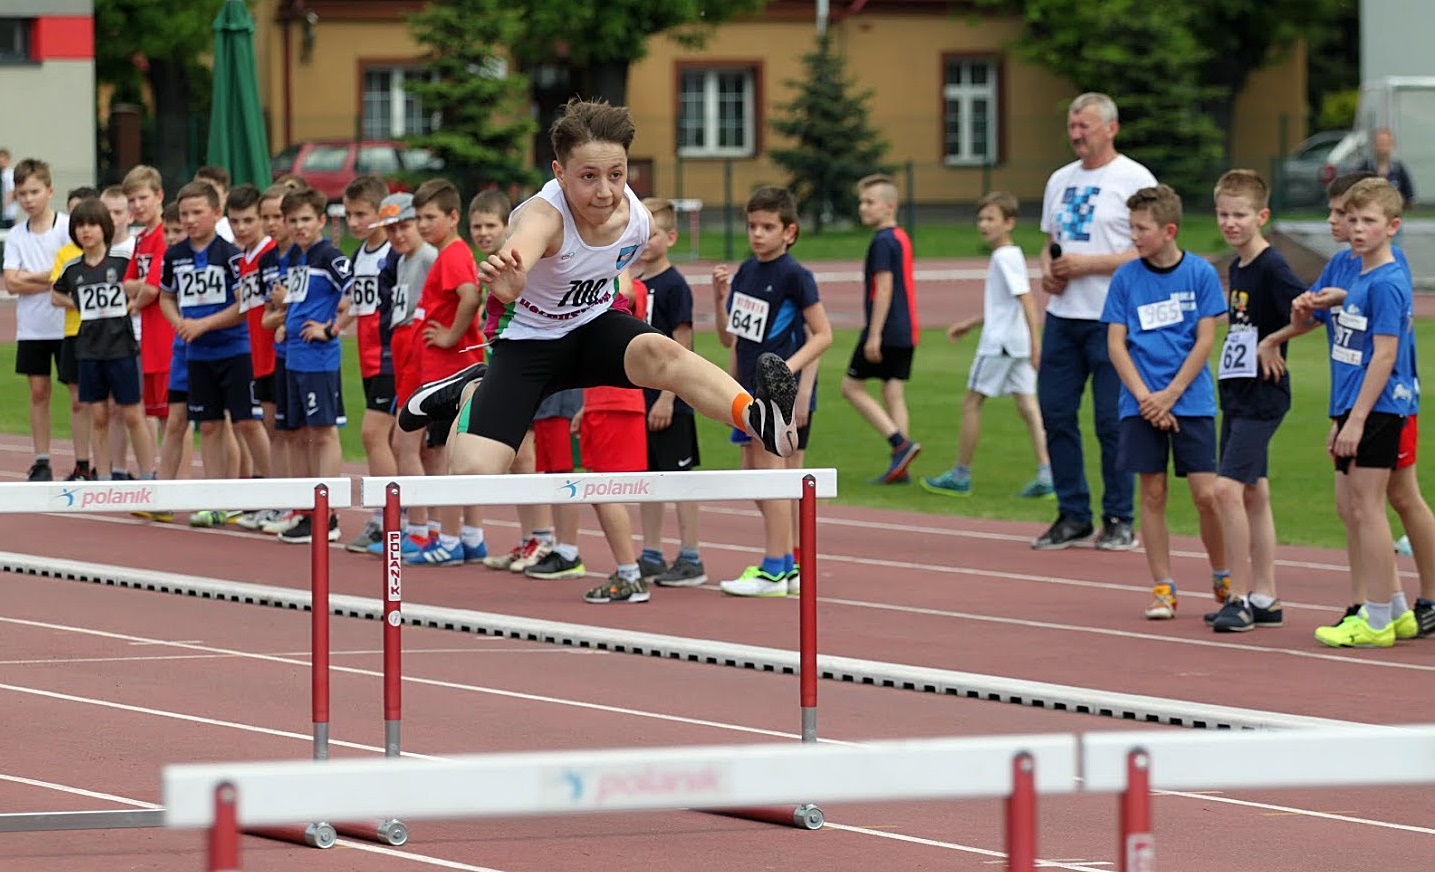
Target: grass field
<point x="1300" y="481"/>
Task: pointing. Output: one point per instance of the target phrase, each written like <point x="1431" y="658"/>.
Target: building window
<point x="717" y="113"/>
<point x="15" y="40"/>
<point x="969" y="96"/>
<point x="389" y="110"/>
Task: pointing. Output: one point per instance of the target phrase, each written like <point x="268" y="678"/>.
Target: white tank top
<point x="576" y="285"/>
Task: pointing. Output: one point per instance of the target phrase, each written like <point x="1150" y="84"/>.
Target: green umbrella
<point x="237" y="140"/>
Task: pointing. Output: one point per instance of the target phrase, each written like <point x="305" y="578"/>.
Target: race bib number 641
<point x="747" y="318"/>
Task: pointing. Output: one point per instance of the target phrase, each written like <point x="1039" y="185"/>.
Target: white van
<point x="1406" y="105"/>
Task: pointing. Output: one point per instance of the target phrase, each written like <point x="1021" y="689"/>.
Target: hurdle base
<point x="391" y="832"/>
<point x="320" y="835"/>
<point x="804" y="817"/>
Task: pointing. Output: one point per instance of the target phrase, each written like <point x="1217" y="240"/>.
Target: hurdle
<point x="805" y="486"/>
<point x="190" y="495"/>
<point x="223" y="797"/>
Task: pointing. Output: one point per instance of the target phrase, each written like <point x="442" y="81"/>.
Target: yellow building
<point x="949" y="94"/>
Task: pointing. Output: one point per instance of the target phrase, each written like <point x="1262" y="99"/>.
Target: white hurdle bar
<point x="224" y="797"/>
<point x="191" y="495"/>
<point x="592" y="487"/>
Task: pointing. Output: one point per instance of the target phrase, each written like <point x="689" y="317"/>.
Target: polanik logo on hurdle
<point x="101" y="496"/>
<point x="638" y="785"/>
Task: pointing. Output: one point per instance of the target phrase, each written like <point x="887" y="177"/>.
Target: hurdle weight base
<point x="392" y="832"/>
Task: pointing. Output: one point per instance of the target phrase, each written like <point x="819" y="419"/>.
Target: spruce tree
<point x="484" y="125"/>
<point x="833" y="145"/>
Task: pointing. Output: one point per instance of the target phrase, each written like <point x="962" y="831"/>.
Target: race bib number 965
<point x="1154" y="316"/>
<point x="201" y="287"/>
<point x="747" y="319"/>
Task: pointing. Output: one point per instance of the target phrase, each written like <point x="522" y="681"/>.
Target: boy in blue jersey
<point x="889" y="330"/>
<point x="199" y="298"/>
<point x="1161" y="314"/>
<point x="771" y="306"/>
<point x="318" y="280"/>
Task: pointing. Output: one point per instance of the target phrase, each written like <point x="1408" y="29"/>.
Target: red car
<point x="328" y="165"/>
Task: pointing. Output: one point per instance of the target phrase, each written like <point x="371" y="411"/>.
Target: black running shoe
<point x="1425" y="617"/>
<point x="769" y="417"/>
<point x="1234" y="617"/>
<point x="437" y="401"/>
<point x="1063" y="533"/>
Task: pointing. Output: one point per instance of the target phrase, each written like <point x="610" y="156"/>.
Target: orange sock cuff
<point x="739" y="410"/>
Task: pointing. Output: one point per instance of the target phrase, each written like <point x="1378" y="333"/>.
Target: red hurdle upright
<point x="1021" y="815"/>
<point x="1137" y="851"/>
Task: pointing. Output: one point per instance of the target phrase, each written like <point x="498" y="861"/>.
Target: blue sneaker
<point x="947" y="483"/>
<point x="435" y="554"/>
<point x="408" y="546"/>
<point x="1036" y="489"/>
<point x="902" y="457"/>
<point x="474" y="553"/>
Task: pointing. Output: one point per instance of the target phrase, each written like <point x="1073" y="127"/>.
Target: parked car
<point x="1308" y="169"/>
<point x="328" y="165"/>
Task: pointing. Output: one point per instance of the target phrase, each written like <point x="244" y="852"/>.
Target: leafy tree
<point x="484" y="122"/>
<point x="833" y="144"/>
<point x="1147" y="57"/>
<point x="604" y="39"/>
<point x="159" y="43"/>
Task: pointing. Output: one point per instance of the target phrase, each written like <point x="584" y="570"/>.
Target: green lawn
<point x="1300" y="482"/>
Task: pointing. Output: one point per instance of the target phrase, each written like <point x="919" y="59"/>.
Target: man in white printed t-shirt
<point x="30" y="251"/>
<point x="1088" y="227"/>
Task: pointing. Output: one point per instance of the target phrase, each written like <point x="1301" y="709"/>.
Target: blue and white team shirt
<point x="1341" y="272"/>
<point x="764" y="312"/>
<point x="575" y="286"/>
<point x="1378" y="302"/>
<point x="205" y="282"/>
<point x="1161" y="309"/>
<point x="273" y="267"/>
<point x="1085" y="212"/>
<point x="315" y="281"/>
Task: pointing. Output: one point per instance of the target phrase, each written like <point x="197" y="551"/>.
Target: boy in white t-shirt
<point x="1008" y="351"/>
<point x="30" y="251"/>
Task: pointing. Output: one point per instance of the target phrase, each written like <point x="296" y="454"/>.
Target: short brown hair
<point x="113" y="192"/>
<point x="1005" y="202"/>
<point x="1161" y="202"/>
<point x="771" y="198"/>
<point x="584" y="121"/>
<point x="199" y="190"/>
<point x="440" y="192"/>
<point x="491" y="202"/>
<point x="1343" y="183"/>
<point x="292" y="181"/>
<point x="665" y="215"/>
<point x="170" y="215"/>
<point x="296" y="200"/>
<point x="241" y="197"/>
<point x="33" y="167"/>
<point x="277" y="191"/>
<point x="1244" y="183"/>
<point x="369" y="187"/>
<point x="90" y="211"/>
<point x="216" y="174"/>
<point x="886" y="182"/>
<point x="1375" y="192"/>
<point x="140" y="177"/>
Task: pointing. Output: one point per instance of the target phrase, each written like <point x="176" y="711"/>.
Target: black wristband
<point x="330" y="332"/>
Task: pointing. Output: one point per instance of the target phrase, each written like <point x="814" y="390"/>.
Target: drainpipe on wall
<point x="286" y="21"/>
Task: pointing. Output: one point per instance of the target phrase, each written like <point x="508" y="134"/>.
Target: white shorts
<point x="1000" y="375"/>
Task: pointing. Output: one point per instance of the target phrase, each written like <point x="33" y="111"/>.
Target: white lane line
<point x="55" y="661"/>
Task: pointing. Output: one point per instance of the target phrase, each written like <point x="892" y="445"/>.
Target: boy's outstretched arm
<point x="535" y="232"/>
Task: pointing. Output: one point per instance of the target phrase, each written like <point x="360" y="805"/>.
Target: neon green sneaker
<point x="1356" y="632"/>
<point x="1406" y="627"/>
<point x="755" y="582"/>
<point x="209" y="518"/>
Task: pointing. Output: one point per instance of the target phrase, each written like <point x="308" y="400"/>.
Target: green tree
<point x="833" y="144"/>
<point x="160" y="43"/>
<point x="482" y="106"/>
<point x="604" y="39"/>
<point x="1147" y="57"/>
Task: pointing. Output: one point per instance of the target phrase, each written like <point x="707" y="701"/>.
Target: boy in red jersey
<point x="145" y="192"/>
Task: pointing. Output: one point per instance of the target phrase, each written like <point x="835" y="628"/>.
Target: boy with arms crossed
<point x="106" y="352"/>
<point x="1255" y="396"/>
<point x="1161" y="314"/>
<point x="1008" y="352"/>
<point x="889" y="331"/>
<point x="672" y="431"/>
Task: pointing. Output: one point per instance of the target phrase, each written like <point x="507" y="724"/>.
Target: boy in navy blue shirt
<point x="1161" y="314"/>
<point x="1255" y="396"/>
<point x="771" y="306"/>
<point x="199" y="297"/>
<point x="317" y="281"/>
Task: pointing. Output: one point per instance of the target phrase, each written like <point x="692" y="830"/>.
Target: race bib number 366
<point x="748" y="317"/>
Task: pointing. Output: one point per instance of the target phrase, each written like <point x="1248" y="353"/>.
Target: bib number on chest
<point x="748" y="317"/>
<point x="251" y="292"/>
<point x="201" y="287"/>
<point x="1154" y="316"/>
<point x="401" y="305"/>
<point x="585" y="292"/>
<point x="98" y="302"/>
<point x="365" y="295"/>
<point x="1347" y="334"/>
<point x="1238" y="355"/>
<point x="296" y="284"/>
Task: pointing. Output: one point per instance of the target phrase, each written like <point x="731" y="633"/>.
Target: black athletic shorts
<point x="33" y="356"/>
<point x="379" y="393"/>
<point x="896" y="364"/>
<point x="1379" y="446"/>
<point x="521" y="372"/>
<point x="674" y="448"/>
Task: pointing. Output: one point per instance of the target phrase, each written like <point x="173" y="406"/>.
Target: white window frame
<point x="398" y="99"/>
<point x="711" y="122"/>
<point x="959" y="97"/>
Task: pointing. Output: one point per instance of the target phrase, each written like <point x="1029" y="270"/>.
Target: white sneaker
<point x="281" y="523"/>
<point x="533" y="554"/>
<point x="794" y="583"/>
<point x="755" y="582"/>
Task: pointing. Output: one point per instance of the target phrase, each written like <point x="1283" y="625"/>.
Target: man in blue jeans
<point x="1088" y="226"/>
